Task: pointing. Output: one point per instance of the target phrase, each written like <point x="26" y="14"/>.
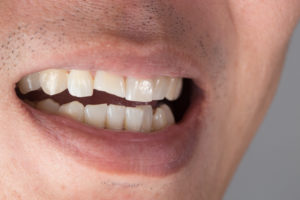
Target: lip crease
<point x="121" y="152"/>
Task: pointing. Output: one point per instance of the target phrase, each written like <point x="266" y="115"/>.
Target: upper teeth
<point x="81" y="84"/>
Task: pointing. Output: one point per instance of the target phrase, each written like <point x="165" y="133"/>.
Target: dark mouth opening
<point x="178" y="107"/>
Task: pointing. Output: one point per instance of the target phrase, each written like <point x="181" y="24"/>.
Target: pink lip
<point x="156" y="154"/>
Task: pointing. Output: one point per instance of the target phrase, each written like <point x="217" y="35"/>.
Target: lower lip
<point x="120" y="152"/>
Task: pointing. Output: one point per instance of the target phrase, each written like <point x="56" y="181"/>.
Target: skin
<point x="240" y="47"/>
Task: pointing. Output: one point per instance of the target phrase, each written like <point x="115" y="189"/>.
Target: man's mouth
<point x="103" y="99"/>
<point x="126" y="122"/>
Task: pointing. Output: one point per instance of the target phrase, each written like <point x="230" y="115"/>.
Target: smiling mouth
<point x="146" y="124"/>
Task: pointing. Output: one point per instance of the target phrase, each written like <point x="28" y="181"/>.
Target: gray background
<point x="270" y="169"/>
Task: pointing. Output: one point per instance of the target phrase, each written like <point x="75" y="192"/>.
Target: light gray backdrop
<point x="271" y="168"/>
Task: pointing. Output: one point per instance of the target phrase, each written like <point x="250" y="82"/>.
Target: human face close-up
<point x="112" y="99"/>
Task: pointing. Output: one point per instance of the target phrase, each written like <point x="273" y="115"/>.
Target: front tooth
<point x="161" y="86"/>
<point x="115" y="117"/>
<point x="110" y="83"/>
<point x="139" y="90"/>
<point x="54" y="81"/>
<point x="162" y="117"/>
<point x="147" y="118"/>
<point x="80" y="83"/>
<point x="74" y="110"/>
<point x="133" y="118"/>
<point x="174" y="89"/>
<point x="95" y="115"/>
<point x="48" y="105"/>
<point x="29" y="83"/>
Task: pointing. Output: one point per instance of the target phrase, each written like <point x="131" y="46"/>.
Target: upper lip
<point x="155" y="155"/>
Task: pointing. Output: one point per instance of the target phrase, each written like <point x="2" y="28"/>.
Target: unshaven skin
<point x="232" y="51"/>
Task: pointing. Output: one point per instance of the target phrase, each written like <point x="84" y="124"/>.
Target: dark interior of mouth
<point x="179" y="106"/>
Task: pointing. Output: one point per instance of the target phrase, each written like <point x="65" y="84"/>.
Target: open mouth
<point x="114" y="123"/>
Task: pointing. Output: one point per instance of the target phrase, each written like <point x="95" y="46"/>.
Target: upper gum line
<point x="81" y="83"/>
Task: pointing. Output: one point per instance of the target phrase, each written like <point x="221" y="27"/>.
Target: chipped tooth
<point x="80" y="83"/>
<point x="95" y="115"/>
<point x="110" y="83"/>
<point x="147" y="118"/>
<point x="162" y="117"/>
<point x="133" y="119"/>
<point x="174" y="89"/>
<point x="54" y="81"/>
<point x="74" y="110"/>
<point x="161" y="86"/>
<point x="29" y="83"/>
<point x="139" y="90"/>
<point x="169" y="114"/>
<point x="48" y="106"/>
<point x="115" y="117"/>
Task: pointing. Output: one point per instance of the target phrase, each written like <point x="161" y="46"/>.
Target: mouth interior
<point x="178" y="107"/>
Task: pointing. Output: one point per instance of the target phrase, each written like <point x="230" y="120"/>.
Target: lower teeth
<point x="140" y="118"/>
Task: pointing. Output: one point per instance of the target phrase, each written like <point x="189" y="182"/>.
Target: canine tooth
<point x="161" y="86"/>
<point x="162" y="117"/>
<point x="110" y="83"/>
<point x="174" y="89"/>
<point x="147" y="118"/>
<point x="159" y="119"/>
<point x="169" y="114"/>
<point x="95" y="115"/>
<point x="133" y="118"/>
<point x="48" y="105"/>
<point x="54" y="81"/>
<point x="115" y="117"/>
<point x="74" y="110"/>
<point x="29" y="83"/>
<point x="80" y="83"/>
<point x="139" y="90"/>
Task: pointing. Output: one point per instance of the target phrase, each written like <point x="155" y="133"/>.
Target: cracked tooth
<point x="110" y="83"/>
<point x="29" y="83"/>
<point x="139" y="90"/>
<point x="161" y="86"/>
<point x="115" y="117"/>
<point x="54" y="81"/>
<point x="174" y="89"/>
<point x="80" y="83"/>
<point x="74" y="110"/>
<point x="133" y="118"/>
<point x="162" y="117"/>
<point x="95" y="115"/>
<point x="48" y="106"/>
<point x="147" y="118"/>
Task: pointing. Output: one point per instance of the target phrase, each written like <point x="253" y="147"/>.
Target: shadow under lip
<point x="120" y="152"/>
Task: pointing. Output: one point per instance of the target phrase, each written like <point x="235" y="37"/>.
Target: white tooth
<point x="147" y="118"/>
<point x="115" y="117"/>
<point x="134" y="119"/>
<point x="161" y="86"/>
<point x="54" y="81"/>
<point x="174" y="89"/>
<point x="95" y="115"/>
<point x="48" y="105"/>
<point x="80" y="83"/>
<point x="169" y="114"/>
<point x="110" y="83"/>
<point x="159" y="119"/>
<point x="139" y="90"/>
<point x="162" y="117"/>
<point x="29" y="83"/>
<point x="30" y="103"/>
<point x="74" y="110"/>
